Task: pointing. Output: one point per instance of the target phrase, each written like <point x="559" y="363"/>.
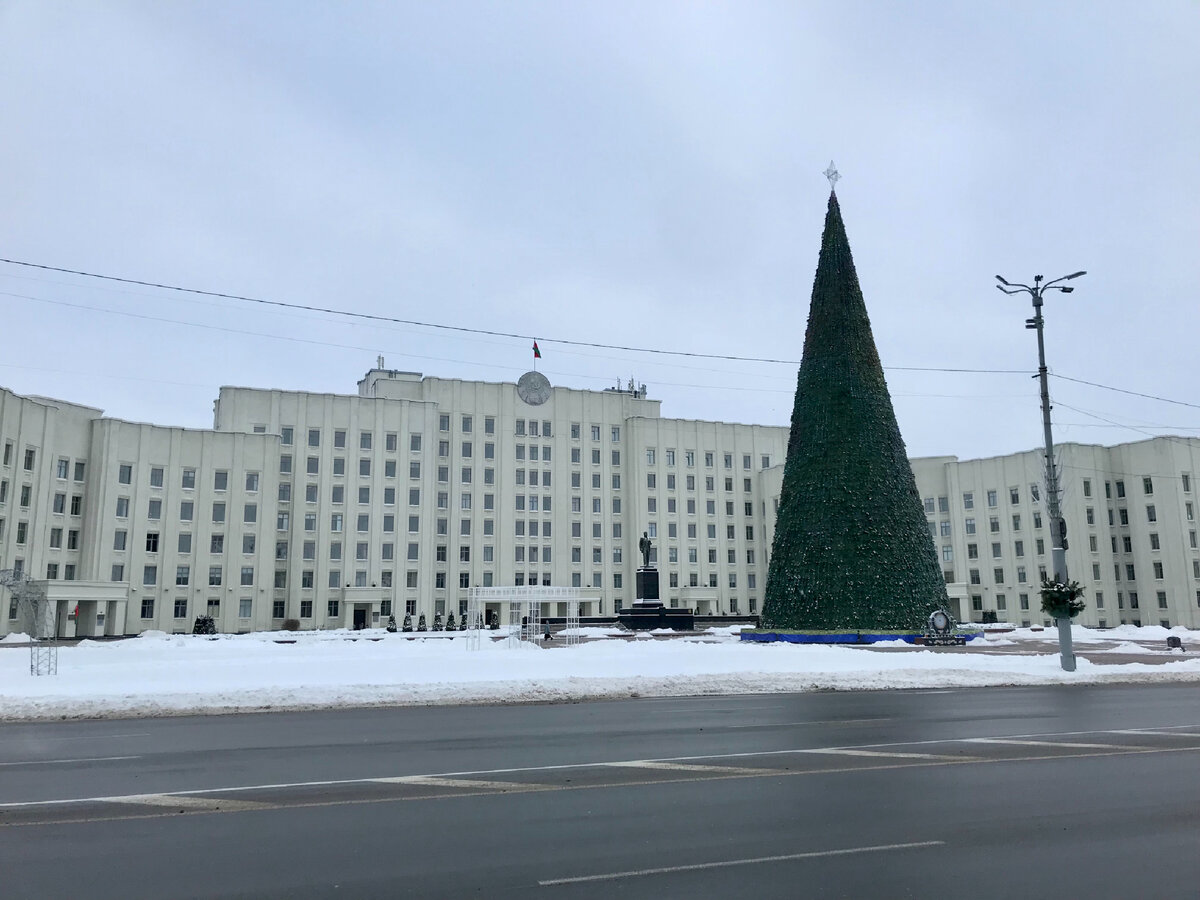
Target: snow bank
<point x="176" y="674"/>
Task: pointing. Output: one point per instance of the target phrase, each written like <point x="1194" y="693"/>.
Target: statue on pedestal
<point x="645" y="546"/>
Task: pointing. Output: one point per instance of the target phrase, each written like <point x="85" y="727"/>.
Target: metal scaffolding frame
<point x="38" y="615"/>
<point x="524" y="606"/>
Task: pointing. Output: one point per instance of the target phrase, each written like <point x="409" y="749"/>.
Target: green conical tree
<point x="851" y="547"/>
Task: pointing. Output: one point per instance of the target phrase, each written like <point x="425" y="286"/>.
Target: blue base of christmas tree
<point x="839" y="637"/>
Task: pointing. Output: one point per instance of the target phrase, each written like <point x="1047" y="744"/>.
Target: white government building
<point x="339" y="510"/>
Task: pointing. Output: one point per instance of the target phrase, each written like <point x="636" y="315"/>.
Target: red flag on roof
<point x="537" y="354"/>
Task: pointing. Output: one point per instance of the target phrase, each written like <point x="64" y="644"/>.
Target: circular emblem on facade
<point x="533" y="388"/>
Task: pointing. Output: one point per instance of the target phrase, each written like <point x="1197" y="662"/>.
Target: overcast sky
<point x="641" y="174"/>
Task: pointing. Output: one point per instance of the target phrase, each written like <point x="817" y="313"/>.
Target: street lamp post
<point x="1058" y="526"/>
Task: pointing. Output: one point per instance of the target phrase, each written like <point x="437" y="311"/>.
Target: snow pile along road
<point x="159" y="674"/>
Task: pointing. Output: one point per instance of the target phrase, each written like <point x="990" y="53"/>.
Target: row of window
<point x="366" y="439"/>
<point x="1185" y="480"/>
<point x="25" y="499"/>
<point x="942" y="504"/>
<point x="1127" y="542"/>
<point x="1122" y="514"/>
<point x="30" y="462"/>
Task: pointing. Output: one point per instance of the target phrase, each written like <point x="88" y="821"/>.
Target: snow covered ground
<point x="160" y="674"/>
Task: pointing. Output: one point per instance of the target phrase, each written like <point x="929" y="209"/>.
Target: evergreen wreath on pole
<point x="1061" y="600"/>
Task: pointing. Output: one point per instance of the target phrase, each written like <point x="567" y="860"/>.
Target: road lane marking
<point x="1065" y="745"/>
<point x="918" y="760"/>
<point x="77" y="737"/>
<point x="814" y="722"/>
<point x="174" y="801"/>
<point x="850" y="751"/>
<point x="666" y="870"/>
<point x="439" y="781"/>
<point x="358" y="801"/>
<point x="686" y="767"/>
<point x="60" y="762"/>
<point x="1150" y="732"/>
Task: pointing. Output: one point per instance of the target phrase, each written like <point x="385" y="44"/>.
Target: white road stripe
<point x="818" y="722"/>
<point x="1065" y="745"/>
<point x="77" y="737"/>
<point x="864" y="749"/>
<point x="1150" y="732"/>
<point x="689" y="767"/>
<point x="200" y="803"/>
<point x="613" y="876"/>
<point x="849" y="751"/>
<point x="61" y="762"/>
<point x="437" y="781"/>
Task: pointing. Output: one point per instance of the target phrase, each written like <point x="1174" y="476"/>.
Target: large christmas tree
<point x="851" y="548"/>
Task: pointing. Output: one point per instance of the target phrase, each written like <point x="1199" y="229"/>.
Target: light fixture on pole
<point x="1058" y="526"/>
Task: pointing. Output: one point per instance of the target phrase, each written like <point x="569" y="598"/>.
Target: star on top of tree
<point x="832" y="174"/>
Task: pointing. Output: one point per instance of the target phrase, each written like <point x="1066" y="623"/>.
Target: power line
<point x="1108" y="387"/>
<point x="467" y="330"/>
<point x="1185" y="442"/>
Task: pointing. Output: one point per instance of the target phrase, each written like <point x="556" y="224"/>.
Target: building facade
<point x="340" y="510"/>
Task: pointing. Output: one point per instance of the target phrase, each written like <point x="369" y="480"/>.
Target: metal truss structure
<point x="524" y="606"/>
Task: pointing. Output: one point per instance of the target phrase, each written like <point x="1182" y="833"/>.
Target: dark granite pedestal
<point x="648" y="612"/>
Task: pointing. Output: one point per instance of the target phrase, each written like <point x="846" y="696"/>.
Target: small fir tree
<point x="450" y="626"/>
<point x="851" y="547"/>
<point x="407" y="626"/>
<point x="421" y="626"/>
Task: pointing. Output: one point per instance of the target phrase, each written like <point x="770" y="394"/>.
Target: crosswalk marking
<point x="688" y="767"/>
<point x="847" y="751"/>
<point x="178" y="801"/>
<point x="435" y="781"/>
<point x="1064" y="745"/>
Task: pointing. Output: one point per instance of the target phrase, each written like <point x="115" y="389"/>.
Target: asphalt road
<point x="1034" y="792"/>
